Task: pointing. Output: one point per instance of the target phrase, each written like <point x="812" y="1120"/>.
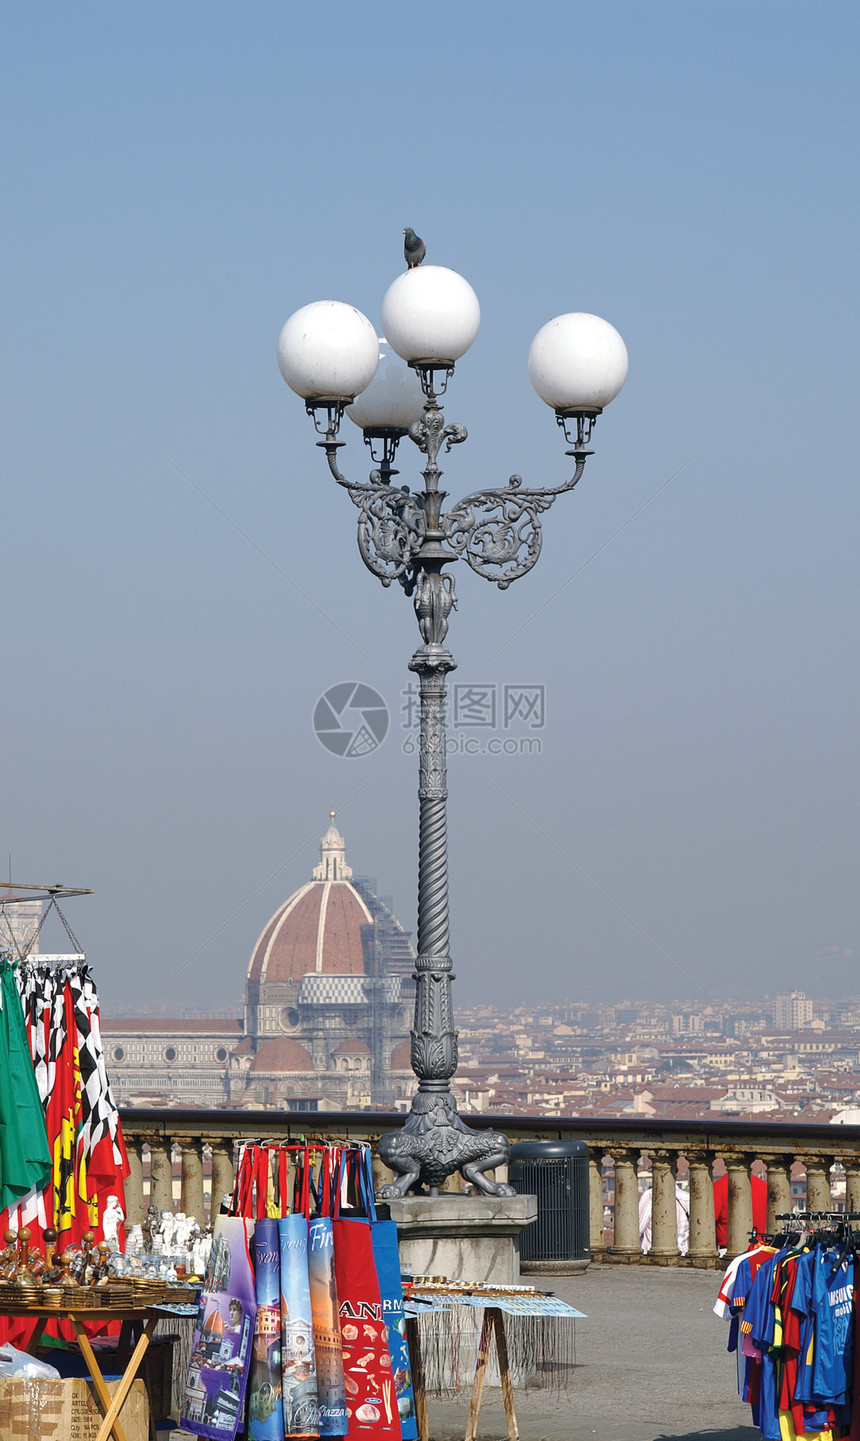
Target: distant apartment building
<point x="688" y="1023"/>
<point x="792" y="1011"/>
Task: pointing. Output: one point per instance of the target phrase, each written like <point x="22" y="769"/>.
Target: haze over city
<point x="181" y="580"/>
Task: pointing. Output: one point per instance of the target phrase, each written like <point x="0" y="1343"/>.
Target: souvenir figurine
<point x="112" y="1219"/>
<point x="149" y="1228"/>
<point x="182" y="1233"/>
<point x="165" y="1231"/>
<point x="200" y="1253"/>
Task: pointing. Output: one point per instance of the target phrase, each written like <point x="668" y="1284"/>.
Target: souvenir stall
<point x="306" y="1327"/>
<point x="62" y="1165"/>
<point x="791" y="1303"/>
<point x="303" y="1325"/>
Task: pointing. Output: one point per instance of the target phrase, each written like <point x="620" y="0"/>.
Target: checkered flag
<point x="101" y="1116"/>
<point x="36" y="1009"/>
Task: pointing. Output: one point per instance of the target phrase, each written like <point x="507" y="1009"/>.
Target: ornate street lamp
<point x="328" y="353"/>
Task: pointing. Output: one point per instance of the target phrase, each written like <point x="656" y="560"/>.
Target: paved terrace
<point x="651" y="1362"/>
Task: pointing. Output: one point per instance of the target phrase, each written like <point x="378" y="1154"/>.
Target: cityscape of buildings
<point x="328" y="1006"/>
<point x="785" y="1057"/>
<point x="775" y="1058"/>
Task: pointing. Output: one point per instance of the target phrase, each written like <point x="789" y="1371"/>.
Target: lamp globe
<point x="328" y="351"/>
<point x="392" y="400"/>
<point x="578" y="362"/>
<point x="430" y="314"/>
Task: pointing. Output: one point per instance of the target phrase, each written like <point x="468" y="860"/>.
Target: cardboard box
<point x="66" y="1411"/>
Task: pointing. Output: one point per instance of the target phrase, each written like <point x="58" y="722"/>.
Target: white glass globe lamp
<point x="391" y="402"/>
<point x="431" y="316"/>
<point x="328" y="352"/>
<point x="577" y="364"/>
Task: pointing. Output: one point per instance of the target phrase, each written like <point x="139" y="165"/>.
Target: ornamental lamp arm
<point x="497" y="532"/>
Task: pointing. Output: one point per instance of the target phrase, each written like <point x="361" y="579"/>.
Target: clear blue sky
<point x="177" y="179"/>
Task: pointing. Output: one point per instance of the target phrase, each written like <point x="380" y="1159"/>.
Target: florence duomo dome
<point x="329" y="997"/>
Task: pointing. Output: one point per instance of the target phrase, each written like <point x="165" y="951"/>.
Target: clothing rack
<point x="790" y="1302"/>
<point x="814" y="1216"/>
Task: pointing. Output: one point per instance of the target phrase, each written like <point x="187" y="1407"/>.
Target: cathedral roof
<point x="352" y="1048"/>
<point x="282" y="1054"/>
<point x="318" y="930"/>
<point x="401" y="1056"/>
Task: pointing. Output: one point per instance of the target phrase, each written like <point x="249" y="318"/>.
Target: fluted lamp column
<point x="329" y="355"/>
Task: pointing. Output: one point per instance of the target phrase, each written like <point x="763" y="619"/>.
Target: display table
<point x="135" y="1319"/>
<point x="493" y="1324"/>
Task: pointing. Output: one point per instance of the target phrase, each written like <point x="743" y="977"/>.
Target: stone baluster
<point x="595" y="1203"/>
<point x="664" y="1224"/>
<point x="852" y="1182"/>
<point x="818" y="1197"/>
<point x="779" y="1200"/>
<point x="626" y="1244"/>
<point x="703" y="1235"/>
<point x="192" y="1201"/>
<point x="135" y="1210"/>
<point x="740" y="1218"/>
<point x="222" y="1174"/>
<point x="161" y="1173"/>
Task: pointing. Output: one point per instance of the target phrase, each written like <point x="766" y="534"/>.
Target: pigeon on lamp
<point x="414" y="248"/>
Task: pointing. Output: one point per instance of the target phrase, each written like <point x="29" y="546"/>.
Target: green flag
<point x="25" y="1158"/>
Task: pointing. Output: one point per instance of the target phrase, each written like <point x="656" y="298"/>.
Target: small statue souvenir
<point x="200" y="1254"/>
<point x="165" y="1231"/>
<point x="149" y="1228"/>
<point x="181" y="1233"/>
<point x="112" y="1219"/>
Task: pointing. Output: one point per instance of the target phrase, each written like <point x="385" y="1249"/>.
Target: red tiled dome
<point x="352" y="1048"/>
<point x="282" y="1054"/>
<point x="317" y="929"/>
<point x="401" y="1056"/>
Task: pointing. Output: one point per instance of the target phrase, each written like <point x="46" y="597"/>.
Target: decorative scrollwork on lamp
<point x="390" y="529"/>
<point x="497" y="532"/>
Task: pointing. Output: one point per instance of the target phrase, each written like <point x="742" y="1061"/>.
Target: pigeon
<point x="414" y="248"/>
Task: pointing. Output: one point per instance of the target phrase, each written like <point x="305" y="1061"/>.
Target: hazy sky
<point x="177" y="179"/>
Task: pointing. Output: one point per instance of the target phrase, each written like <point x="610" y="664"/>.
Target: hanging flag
<point x="101" y="1161"/>
<point x="25" y="1159"/>
<point x="63" y="1118"/>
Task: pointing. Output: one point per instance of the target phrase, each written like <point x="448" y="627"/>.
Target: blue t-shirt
<point x="833" y="1307"/>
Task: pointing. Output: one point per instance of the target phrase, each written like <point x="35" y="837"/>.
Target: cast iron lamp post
<point x="328" y="353"/>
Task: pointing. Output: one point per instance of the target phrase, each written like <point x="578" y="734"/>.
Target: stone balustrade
<point x="194" y="1151"/>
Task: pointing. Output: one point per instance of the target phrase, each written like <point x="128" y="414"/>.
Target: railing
<point x="194" y="1151"/>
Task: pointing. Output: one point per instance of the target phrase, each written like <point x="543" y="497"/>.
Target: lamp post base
<point x="463" y="1237"/>
<point x="434" y="1143"/>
